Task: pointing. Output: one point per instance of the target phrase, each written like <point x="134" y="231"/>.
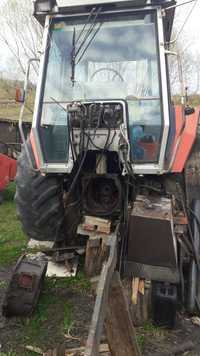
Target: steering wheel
<point x="110" y="70"/>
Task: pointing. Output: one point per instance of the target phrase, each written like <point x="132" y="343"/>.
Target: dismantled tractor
<point x="109" y="151"/>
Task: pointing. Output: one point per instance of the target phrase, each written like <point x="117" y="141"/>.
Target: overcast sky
<point x="192" y="27"/>
<point x="191" y="33"/>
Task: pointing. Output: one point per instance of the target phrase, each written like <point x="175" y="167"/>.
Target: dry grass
<point x="11" y="109"/>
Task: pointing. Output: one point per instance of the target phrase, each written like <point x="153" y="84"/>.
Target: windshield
<point x="121" y="60"/>
<point x="118" y="61"/>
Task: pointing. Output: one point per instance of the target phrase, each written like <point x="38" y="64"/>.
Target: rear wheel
<point x="39" y="201"/>
<point x="194" y="274"/>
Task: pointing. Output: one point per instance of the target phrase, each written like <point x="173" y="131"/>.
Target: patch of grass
<point x="51" y="305"/>
<point x="55" y="313"/>
<point x="153" y="329"/>
<point x="194" y="100"/>
<point x="12" y="239"/>
<point x="148" y="332"/>
<point x="54" y="299"/>
<point x="3" y="285"/>
<point x="10" y="192"/>
<point x="35" y="324"/>
<point x="68" y="321"/>
<point x="10" y="109"/>
<point x="150" y="327"/>
<point x="80" y="282"/>
<point x="141" y="341"/>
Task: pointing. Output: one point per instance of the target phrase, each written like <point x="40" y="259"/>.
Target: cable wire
<point x="184" y="23"/>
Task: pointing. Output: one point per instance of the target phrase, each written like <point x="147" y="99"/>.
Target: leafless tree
<point x="186" y="61"/>
<point x="19" y="31"/>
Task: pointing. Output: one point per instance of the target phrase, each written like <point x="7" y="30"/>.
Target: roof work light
<point x="44" y="5"/>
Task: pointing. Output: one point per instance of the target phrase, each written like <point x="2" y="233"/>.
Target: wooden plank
<point x="141" y="286"/>
<point x="92" y="256"/>
<point x="96" y="254"/>
<point x="140" y="311"/>
<point x="93" y="220"/>
<point x="99" y="312"/>
<point x="118" y="325"/>
<point x="135" y="287"/>
<point x="34" y="349"/>
<point x="75" y="351"/>
<point x="93" y="223"/>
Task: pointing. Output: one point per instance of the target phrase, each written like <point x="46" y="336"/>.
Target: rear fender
<point x="8" y="169"/>
<point x="186" y="131"/>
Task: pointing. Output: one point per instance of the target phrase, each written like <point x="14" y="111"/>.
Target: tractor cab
<point x="109" y="57"/>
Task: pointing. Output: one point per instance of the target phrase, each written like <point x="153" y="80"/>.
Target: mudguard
<point x="8" y="168"/>
<point x="25" y="286"/>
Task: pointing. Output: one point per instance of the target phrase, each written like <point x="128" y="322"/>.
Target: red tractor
<point x="107" y="141"/>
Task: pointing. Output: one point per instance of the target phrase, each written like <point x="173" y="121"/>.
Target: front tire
<point x="39" y="201"/>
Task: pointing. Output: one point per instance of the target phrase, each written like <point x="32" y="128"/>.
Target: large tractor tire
<point x="39" y="201"/>
<point x="194" y="274"/>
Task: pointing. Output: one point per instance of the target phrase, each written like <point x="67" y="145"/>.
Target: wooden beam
<point x="96" y="254"/>
<point x="92" y="254"/>
<point x="75" y="351"/>
<point x="135" y="287"/>
<point x="119" y="328"/>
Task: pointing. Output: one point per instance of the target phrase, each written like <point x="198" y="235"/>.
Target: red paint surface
<point x="8" y="169"/>
<point x="150" y="150"/>
<point x="186" y="133"/>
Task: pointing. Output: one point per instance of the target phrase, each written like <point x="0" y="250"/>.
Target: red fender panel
<point x="8" y="169"/>
<point x="186" y="138"/>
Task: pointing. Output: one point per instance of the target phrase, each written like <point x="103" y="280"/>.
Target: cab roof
<point x="42" y="8"/>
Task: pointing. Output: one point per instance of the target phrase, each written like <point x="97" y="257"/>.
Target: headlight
<point x="44" y="5"/>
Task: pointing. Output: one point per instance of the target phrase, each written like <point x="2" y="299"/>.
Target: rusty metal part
<point x="25" y="286"/>
<point x="102" y="194"/>
<point x="93" y="341"/>
<point x="154" y="273"/>
<point x="151" y="224"/>
<point x="62" y="257"/>
<point x="192" y="170"/>
<point x="180" y="220"/>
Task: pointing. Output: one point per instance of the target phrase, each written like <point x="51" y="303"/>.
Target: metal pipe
<point x="26" y="81"/>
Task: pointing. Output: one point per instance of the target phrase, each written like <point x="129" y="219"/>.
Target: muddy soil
<point x="15" y="333"/>
<point x="164" y="342"/>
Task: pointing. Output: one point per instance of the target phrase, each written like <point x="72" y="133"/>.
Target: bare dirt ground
<point x="166" y="343"/>
<point x="64" y="311"/>
<point x="63" y="316"/>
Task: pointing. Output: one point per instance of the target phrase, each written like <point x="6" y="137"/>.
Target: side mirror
<point x="19" y="95"/>
<point x="189" y="110"/>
